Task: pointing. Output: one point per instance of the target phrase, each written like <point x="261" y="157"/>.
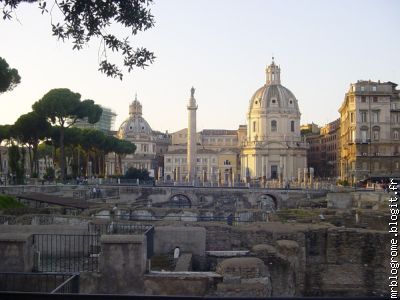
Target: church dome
<point x="273" y="113"/>
<point x="273" y="97"/>
<point x="135" y="124"/>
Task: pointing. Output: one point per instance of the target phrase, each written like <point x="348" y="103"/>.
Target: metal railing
<point x="126" y="228"/>
<point x="71" y="285"/>
<point x="39" y="282"/>
<point x="66" y="252"/>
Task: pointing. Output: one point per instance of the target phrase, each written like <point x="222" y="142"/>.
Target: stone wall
<point x="16" y="252"/>
<point x="347" y="262"/>
<point x="327" y="260"/>
<point x="188" y="239"/>
<point x="122" y="264"/>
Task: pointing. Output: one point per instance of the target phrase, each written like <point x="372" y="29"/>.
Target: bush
<point x="9" y="202"/>
<point x="343" y="182"/>
<point x="133" y="173"/>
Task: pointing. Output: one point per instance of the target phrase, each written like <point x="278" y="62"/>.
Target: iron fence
<point x="126" y="228"/>
<point x="39" y="282"/>
<point x="66" y="252"/>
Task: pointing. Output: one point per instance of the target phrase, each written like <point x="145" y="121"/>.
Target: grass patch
<point x="9" y="202"/>
<point x="297" y="214"/>
<point x="161" y="262"/>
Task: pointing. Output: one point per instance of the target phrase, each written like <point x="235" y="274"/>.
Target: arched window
<point x="274" y="126"/>
<point x="254" y="126"/>
<point x="364" y="134"/>
<point x="396" y="135"/>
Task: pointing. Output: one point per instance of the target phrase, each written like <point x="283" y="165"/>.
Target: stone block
<point x="123" y="263"/>
<point x="16" y="252"/>
<point x="339" y="200"/>
<point x="245" y="267"/>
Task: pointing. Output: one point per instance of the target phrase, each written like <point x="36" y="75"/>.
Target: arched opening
<point x="179" y="201"/>
<point x="267" y="202"/>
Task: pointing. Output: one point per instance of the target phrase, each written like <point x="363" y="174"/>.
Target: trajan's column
<point x="191" y="137"/>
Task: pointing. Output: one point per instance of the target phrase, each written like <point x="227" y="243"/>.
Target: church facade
<point x="150" y="145"/>
<point x="273" y="148"/>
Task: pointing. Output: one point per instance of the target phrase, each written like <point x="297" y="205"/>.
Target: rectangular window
<point x="363" y="99"/>
<point x="375" y="116"/>
<point x="352" y="117"/>
<point x="292" y="126"/>
<point x="374" y="88"/>
<point x="254" y="126"/>
<point x="363" y="116"/>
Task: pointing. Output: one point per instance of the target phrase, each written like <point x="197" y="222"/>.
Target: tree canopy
<point x="85" y="20"/>
<point x="29" y="129"/>
<point x="63" y="108"/>
<point x="9" y="78"/>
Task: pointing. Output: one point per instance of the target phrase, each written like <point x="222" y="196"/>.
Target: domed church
<point x="150" y="145"/>
<point x="273" y="148"/>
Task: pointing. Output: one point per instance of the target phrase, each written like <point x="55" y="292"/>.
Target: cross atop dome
<point x="273" y="73"/>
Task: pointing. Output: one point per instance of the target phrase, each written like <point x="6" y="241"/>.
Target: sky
<point x="222" y="49"/>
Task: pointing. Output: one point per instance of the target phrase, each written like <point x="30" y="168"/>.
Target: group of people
<point x="81" y="180"/>
<point x="95" y="192"/>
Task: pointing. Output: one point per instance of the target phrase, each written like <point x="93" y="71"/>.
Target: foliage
<point x="16" y="162"/>
<point x="64" y="107"/>
<point x="9" y="78"/>
<point x="4" y="132"/>
<point x="85" y="20"/>
<point x="30" y="128"/>
<point x="343" y="182"/>
<point x="297" y="214"/>
<point x="50" y="174"/>
<point x="4" y="135"/>
<point x="133" y="173"/>
<point x="45" y="150"/>
<point x="9" y="202"/>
